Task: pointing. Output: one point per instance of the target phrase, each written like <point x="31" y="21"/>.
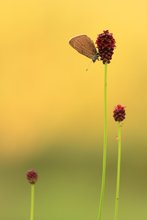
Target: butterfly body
<point x="85" y="46"/>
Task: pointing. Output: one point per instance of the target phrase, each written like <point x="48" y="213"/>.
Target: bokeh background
<point x="51" y="109"/>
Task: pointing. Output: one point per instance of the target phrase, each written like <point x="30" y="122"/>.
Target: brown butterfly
<point x="85" y="46"/>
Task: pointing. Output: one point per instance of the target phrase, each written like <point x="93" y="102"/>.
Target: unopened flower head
<point x="105" y="44"/>
<point x="32" y="176"/>
<point x="119" y="113"/>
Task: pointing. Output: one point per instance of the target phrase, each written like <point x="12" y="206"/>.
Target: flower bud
<point x="105" y="44"/>
<point x="119" y="113"/>
<point x="32" y="176"/>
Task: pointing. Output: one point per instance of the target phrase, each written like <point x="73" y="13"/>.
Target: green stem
<point x="32" y="201"/>
<point x="104" y="146"/>
<point x="118" y="173"/>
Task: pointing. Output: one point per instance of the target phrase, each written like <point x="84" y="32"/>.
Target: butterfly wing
<point x="84" y="45"/>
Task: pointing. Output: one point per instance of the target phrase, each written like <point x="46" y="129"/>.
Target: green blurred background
<point x="51" y="109"/>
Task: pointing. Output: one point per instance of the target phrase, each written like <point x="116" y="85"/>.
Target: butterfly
<point x="85" y="46"/>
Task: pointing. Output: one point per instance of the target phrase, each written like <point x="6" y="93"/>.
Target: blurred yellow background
<point x="51" y="109"/>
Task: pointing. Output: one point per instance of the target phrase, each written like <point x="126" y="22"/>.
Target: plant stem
<point x="118" y="173"/>
<point x="104" y="146"/>
<point x="32" y="201"/>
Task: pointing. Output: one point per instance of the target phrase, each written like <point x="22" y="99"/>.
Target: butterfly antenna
<point x="88" y="66"/>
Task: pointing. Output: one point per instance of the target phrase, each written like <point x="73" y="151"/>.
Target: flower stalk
<point x="118" y="173"/>
<point x="104" y="146"/>
<point x="32" y="201"/>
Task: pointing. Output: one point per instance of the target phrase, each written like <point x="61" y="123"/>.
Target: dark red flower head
<point x="105" y="44"/>
<point x="32" y="176"/>
<point x="119" y="113"/>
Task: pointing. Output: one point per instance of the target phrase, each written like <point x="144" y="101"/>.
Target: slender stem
<point x="104" y="146"/>
<point x="32" y="201"/>
<point x="118" y="173"/>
